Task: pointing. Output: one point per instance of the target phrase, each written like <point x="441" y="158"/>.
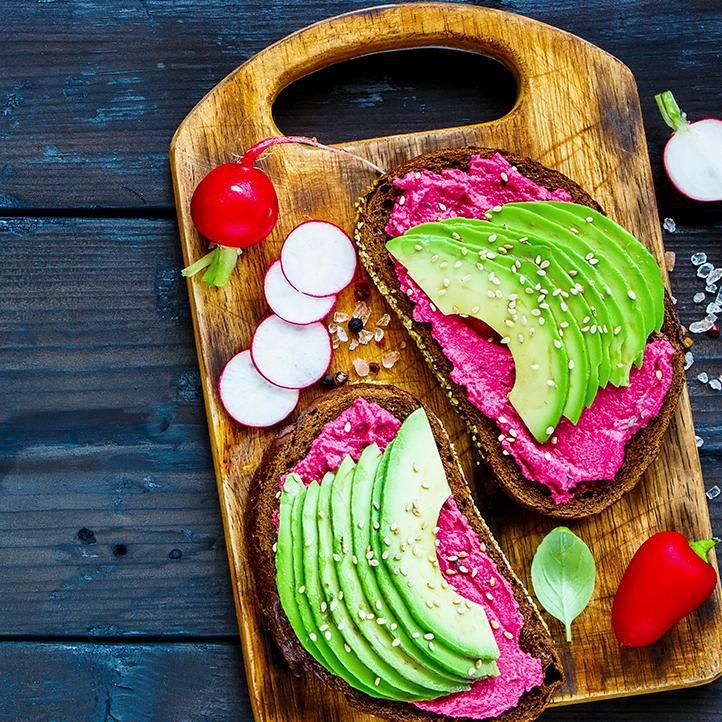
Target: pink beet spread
<point x="594" y="448"/>
<point x="365" y="423"/>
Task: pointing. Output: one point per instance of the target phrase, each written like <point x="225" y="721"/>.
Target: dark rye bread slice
<point x="373" y="212"/>
<point x="292" y="445"/>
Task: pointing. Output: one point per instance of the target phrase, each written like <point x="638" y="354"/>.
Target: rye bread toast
<point x="373" y="212"/>
<point x="291" y="445"/>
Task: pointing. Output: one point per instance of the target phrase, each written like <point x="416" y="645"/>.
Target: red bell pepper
<point x="667" y="579"/>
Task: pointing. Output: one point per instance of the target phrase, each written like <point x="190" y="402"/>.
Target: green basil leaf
<point x="563" y="575"/>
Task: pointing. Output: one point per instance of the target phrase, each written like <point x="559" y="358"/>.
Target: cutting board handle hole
<point x="390" y="93"/>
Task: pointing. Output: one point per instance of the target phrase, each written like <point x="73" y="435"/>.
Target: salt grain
<point x="362" y="311"/>
<point x="704" y="270"/>
<point x="711" y="288"/>
<point x="384" y="321"/>
<point x="701" y="326"/>
<point x="715" y="384"/>
<point x="699" y="441"/>
<point x="698" y="297"/>
<point x="714" y="308"/>
<point x="364" y="336"/>
<point x="698" y="258"/>
<point x="361" y="367"/>
<point x="688" y="360"/>
<point x="389" y="359"/>
<point x="714" y="492"/>
<point x="341" y="334"/>
<point x="714" y="276"/>
<point x="340" y="317"/>
<point x="669" y="225"/>
<point x="703" y="377"/>
<point x="378" y="335"/>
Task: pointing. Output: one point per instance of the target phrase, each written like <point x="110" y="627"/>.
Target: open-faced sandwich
<point x="545" y="321"/>
<point x="376" y="573"/>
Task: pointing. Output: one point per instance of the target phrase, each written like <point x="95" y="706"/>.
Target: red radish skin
<point x="318" y="258"/>
<point x="289" y="355"/>
<point x="693" y="155"/>
<point x="249" y="398"/>
<point x="235" y="206"/>
<point x="292" y="305"/>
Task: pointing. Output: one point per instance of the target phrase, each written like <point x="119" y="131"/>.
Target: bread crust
<point x="373" y="212"/>
<point x="290" y="446"/>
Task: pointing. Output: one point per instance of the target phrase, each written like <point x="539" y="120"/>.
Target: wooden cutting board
<point x="577" y="111"/>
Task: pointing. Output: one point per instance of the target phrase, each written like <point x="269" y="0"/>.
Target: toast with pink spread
<point x="475" y="249"/>
<point x="377" y="574"/>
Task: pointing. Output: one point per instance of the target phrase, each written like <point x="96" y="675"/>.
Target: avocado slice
<point x="545" y="284"/>
<point x="345" y="663"/>
<point x="366" y="497"/>
<point x="460" y="284"/>
<point x="637" y="251"/>
<point x="414" y="490"/>
<point x="289" y="580"/>
<point x="623" y="280"/>
<point x="383" y="638"/>
<point x="346" y="621"/>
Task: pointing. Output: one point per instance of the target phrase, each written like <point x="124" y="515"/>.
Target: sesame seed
<point x="415" y="635"/>
<point x="494" y="624"/>
<point x="632" y="295"/>
<point x="337" y="557"/>
<point x="324" y="607"/>
<point x="492" y="238"/>
<point x="547" y="456"/>
<point x="443" y="264"/>
<point x="377" y="681"/>
<point x="323" y="628"/>
<point x="302" y="589"/>
<point x="381" y="621"/>
<point x="419" y="247"/>
<point x="504" y="177"/>
<point x="508" y="635"/>
<point x="340" y="594"/>
<point x="489" y="596"/>
<point x="658" y="374"/>
<point x="551" y="382"/>
<point x="463" y="569"/>
<point x="333" y="605"/>
<point x="549" y="430"/>
<point x="328" y="636"/>
<point x="431" y="646"/>
<point x="471" y="672"/>
<point x="505" y="340"/>
<point x="312" y="637"/>
<point x="396" y="643"/>
<point x="456" y="236"/>
<point x="571" y="364"/>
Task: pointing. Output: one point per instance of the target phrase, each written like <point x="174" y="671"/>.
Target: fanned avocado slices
<point x="414" y="490"/>
<point x="594" y="288"/>
<point x="367" y="496"/>
<point x="461" y="284"/>
<point x="379" y="626"/>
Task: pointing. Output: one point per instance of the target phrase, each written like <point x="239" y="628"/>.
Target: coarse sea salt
<point x="669" y="225"/>
<point x="704" y="270"/>
<point x="698" y="297"/>
<point x="698" y="258"/>
<point x="714" y="308"/>
<point x="715" y="384"/>
<point x="703" y="377"/>
<point x="713" y="492"/>
<point x="699" y="441"/>
<point x="389" y="359"/>
<point x="361" y="366"/>
<point x="701" y="326"/>
<point x="711" y="288"/>
<point x="688" y="360"/>
<point x="714" y="276"/>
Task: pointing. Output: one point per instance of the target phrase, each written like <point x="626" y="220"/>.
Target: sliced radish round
<point x="289" y="355"/>
<point x="249" y="398"/>
<point x="292" y="305"/>
<point x="318" y="258"/>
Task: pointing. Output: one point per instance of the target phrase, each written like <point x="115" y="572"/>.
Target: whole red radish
<point x="235" y="206"/>
<point x="693" y="155"/>
<point x="667" y="579"/>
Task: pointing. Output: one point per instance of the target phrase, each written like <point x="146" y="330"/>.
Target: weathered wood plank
<point x="102" y="427"/>
<point x="91" y="92"/>
<point x="194" y="682"/>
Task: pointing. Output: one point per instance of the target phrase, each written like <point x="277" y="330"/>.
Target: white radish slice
<point x="249" y="398"/>
<point x="693" y="160"/>
<point x="290" y="355"/>
<point x="693" y="155"/>
<point x="292" y="305"/>
<point x="318" y="258"/>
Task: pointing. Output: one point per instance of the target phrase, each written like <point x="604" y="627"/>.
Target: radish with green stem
<point x="693" y="155"/>
<point x="235" y="206"/>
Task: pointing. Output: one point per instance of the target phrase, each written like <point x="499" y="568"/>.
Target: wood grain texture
<point x="116" y="98"/>
<point x="577" y="111"/>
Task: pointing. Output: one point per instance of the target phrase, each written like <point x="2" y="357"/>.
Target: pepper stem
<point x="671" y="112"/>
<point x="220" y="263"/>
<point x="250" y="156"/>
<point x="702" y="546"/>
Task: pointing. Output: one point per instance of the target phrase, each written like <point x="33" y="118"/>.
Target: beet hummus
<point x="365" y="423"/>
<point x="591" y="450"/>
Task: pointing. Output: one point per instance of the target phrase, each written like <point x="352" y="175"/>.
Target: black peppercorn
<point x="355" y="325"/>
<point x="328" y="380"/>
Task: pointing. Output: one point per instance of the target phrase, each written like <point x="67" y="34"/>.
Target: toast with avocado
<point x="546" y="322"/>
<point x="377" y="574"/>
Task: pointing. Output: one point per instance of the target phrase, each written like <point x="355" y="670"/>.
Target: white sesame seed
<point x="302" y="589"/>
<point x="312" y="637"/>
<point x="508" y="635"/>
<point x="396" y="643"/>
<point x="632" y="295"/>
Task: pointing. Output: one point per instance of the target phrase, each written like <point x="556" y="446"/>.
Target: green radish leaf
<point x="563" y="575"/>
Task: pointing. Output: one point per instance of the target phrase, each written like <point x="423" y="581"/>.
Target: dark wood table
<point x="115" y="602"/>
